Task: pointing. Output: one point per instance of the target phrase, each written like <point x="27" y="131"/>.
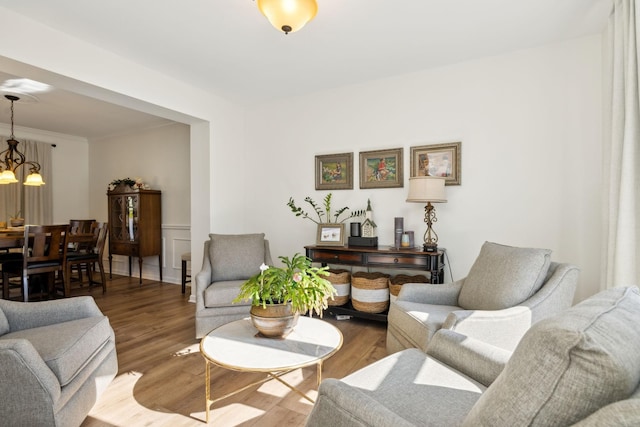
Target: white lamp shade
<point x="34" y="179"/>
<point x="7" y="177"/>
<point x="426" y="189"/>
<point x="288" y="13"/>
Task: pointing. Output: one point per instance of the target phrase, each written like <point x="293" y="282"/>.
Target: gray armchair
<point x="228" y="261"/>
<point x="507" y="290"/>
<point x="579" y="368"/>
<point x="56" y="359"/>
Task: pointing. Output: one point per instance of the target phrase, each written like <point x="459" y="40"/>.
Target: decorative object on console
<point x="437" y="160"/>
<point x="367" y="236"/>
<point x="297" y="284"/>
<point x="288" y="16"/>
<point x="324" y="216"/>
<point x="330" y="234"/>
<point x="428" y="189"/>
<point x="381" y="169"/>
<point x="398" y="229"/>
<point x="334" y="172"/>
<point x="11" y="159"/>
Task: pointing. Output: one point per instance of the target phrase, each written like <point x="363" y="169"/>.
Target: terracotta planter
<point x="274" y="321"/>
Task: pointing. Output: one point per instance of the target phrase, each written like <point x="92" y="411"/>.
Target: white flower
<point x="264" y="267"/>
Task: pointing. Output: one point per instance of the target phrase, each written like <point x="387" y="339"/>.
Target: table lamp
<point x="428" y="189"/>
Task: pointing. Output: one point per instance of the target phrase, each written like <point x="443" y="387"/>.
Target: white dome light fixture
<point x="288" y="16"/>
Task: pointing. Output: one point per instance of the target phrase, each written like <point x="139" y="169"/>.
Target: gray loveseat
<point x="56" y="358"/>
<point x="578" y="368"/>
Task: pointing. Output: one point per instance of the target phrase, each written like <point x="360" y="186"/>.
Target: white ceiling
<point x="227" y="47"/>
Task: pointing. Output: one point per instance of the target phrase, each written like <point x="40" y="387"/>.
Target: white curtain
<point x="34" y="203"/>
<point x="621" y="154"/>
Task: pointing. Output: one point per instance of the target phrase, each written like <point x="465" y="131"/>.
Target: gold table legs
<point x="271" y="375"/>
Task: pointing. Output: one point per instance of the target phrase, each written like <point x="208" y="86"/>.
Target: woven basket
<point x="370" y="292"/>
<point x="396" y="282"/>
<point x="341" y="280"/>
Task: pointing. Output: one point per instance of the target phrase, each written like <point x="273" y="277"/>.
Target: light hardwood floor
<point x="160" y="380"/>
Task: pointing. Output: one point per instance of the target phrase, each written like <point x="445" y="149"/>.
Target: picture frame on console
<point x="442" y="160"/>
<point x="330" y="234"/>
<point x="381" y="168"/>
<point x="334" y="171"/>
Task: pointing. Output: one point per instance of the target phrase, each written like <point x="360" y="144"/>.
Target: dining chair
<point x="93" y="255"/>
<point x="10" y="252"/>
<point x="44" y="252"/>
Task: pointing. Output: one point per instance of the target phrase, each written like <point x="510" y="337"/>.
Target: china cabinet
<point x="135" y="219"/>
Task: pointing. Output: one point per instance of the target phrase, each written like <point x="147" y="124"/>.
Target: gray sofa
<point x="578" y="368"/>
<point x="506" y="291"/>
<point x="56" y="358"/>
<point x="229" y="260"/>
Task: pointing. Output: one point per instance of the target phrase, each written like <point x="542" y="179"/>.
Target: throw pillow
<point x="503" y="276"/>
<point x="235" y="256"/>
<point x="569" y="366"/>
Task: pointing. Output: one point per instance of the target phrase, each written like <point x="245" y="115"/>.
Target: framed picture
<point x="334" y="172"/>
<point x="437" y="160"/>
<point x="331" y="234"/>
<point x="381" y="168"/>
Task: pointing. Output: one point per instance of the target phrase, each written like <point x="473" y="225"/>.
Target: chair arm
<point x="501" y="328"/>
<point x="203" y="278"/>
<point x="21" y="364"/>
<point x="481" y="361"/>
<point x="340" y="404"/>
<point x="36" y="314"/>
<point x="557" y="293"/>
<point x="425" y="293"/>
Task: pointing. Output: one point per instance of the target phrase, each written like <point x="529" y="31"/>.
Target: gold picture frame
<point x="438" y="160"/>
<point x="381" y="168"/>
<point x="330" y="234"/>
<point x="334" y="171"/>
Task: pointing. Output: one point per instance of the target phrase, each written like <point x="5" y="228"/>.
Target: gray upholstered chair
<point x="579" y="368"/>
<point x="228" y="261"/>
<point x="507" y="290"/>
<point x="56" y="359"/>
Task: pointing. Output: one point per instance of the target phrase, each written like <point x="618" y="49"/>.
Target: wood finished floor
<point x="160" y="380"/>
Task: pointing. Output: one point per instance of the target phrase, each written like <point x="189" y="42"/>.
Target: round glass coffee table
<point x="238" y="346"/>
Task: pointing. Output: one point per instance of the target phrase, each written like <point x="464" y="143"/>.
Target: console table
<point x="382" y="257"/>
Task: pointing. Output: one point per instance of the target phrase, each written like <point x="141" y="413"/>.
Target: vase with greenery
<point x="16" y="219"/>
<point x="295" y="288"/>
<point x="323" y="213"/>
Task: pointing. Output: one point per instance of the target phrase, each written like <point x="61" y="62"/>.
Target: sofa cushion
<point x="503" y="276"/>
<point x="221" y="294"/>
<point x="67" y="347"/>
<point x="235" y="256"/>
<point x="4" y="324"/>
<point x="569" y="366"/>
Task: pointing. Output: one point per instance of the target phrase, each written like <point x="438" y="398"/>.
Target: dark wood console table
<point x="375" y="258"/>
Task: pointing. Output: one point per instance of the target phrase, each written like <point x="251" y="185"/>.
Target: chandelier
<point x="288" y="16"/>
<point x="11" y="159"/>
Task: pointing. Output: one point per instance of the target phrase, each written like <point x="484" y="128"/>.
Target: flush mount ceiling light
<point x="288" y="16"/>
<point x="11" y="159"/>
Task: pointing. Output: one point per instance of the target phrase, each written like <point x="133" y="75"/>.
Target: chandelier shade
<point x="11" y="159"/>
<point x="288" y="16"/>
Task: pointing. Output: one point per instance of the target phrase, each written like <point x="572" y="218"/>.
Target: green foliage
<point x="324" y="216"/>
<point x="128" y="181"/>
<point x="297" y="282"/>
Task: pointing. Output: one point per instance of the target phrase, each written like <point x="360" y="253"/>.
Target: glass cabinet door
<point x="124" y="218"/>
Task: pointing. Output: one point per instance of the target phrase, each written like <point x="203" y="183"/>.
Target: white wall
<point x="69" y="159"/>
<point x="530" y="127"/>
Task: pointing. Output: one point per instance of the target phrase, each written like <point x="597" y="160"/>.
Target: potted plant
<point x="279" y="294"/>
<point x="324" y="216"/>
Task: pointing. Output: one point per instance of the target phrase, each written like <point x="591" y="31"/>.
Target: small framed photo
<point x="331" y="234"/>
<point x="437" y="160"/>
<point x="381" y="168"/>
<point x="334" y="172"/>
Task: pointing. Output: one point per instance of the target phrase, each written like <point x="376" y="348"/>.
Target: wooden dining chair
<point x="44" y="252"/>
<point x="88" y="258"/>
